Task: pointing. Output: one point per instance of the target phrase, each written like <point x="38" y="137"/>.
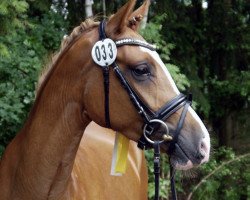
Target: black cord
<point x="106" y="92"/>
<point x="157" y="168"/>
<point x="172" y="182"/>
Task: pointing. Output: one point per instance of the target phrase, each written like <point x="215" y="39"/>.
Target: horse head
<point x="150" y="79"/>
<point x="146" y="75"/>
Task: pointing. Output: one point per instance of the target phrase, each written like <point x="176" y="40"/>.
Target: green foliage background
<point x="205" y="49"/>
<point x="24" y="46"/>
<point x="227" y="175"/>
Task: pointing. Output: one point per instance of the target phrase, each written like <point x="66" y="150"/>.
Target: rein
<point x="152" y="120"/>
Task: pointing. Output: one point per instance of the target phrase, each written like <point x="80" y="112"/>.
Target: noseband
<point x="152" y="120"/>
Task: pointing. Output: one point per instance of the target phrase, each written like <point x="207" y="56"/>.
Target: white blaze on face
<point x="157" y="58"/>
<point x="206" y="140"/>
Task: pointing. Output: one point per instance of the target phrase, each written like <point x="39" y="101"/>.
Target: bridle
<point x="152" y="120"/>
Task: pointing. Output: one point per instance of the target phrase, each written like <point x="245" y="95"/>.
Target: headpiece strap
<point x="102" y="36"/>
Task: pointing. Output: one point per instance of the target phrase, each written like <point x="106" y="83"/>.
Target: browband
<point x="135" y="42"/>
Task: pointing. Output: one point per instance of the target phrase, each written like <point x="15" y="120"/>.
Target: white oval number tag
<point x="104" y="52"/>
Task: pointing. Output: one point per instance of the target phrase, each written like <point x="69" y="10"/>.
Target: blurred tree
<point x="25" y="43"/>
<point x="38" y="8"/>
<point x="76" y="11"/>
<point x="211" y="46"/>
<point x="88" y="8"/>
<point x="12" y="16"/>
<point x="229" y="47"/>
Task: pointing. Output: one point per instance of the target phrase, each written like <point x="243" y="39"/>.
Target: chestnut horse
<point x="40" y="162"/>
<point x="93" y="163"/>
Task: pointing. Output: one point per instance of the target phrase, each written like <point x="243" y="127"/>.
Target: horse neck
<point x="46" y="146"/>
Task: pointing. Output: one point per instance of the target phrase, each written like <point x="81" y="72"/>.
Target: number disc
<point x="104" y="52"/>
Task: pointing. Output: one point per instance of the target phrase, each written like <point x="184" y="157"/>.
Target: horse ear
<point x="119" y="20"/>
<point x="137" y="16"/>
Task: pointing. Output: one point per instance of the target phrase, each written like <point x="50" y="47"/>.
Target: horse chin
<point x="180" y="160"/>
<point x="187" y="166"/>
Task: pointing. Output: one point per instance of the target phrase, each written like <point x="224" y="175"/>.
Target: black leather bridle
<point x="152" y="120"/>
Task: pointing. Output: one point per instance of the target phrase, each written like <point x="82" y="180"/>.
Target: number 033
<point x="104" y="52"/>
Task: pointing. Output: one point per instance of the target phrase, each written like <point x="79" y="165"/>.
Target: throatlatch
<point x="104" y="54"/>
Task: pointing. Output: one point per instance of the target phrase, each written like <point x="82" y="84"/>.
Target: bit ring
<point x="165" y="135"/>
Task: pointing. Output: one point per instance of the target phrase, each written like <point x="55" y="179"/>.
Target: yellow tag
<point x="120" y="155"/>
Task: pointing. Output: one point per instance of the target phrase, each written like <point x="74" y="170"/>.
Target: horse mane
<point x="67" y="42"/>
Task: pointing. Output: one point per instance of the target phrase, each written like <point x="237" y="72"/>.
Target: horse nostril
<point x="200" y="155"/>
<point x="203" y="147"/>
<point x="201" y="152"/>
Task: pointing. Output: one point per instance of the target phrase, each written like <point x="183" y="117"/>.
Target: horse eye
<point x="141" y="72"/>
